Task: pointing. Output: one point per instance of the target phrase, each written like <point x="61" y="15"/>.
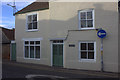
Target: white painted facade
<point x="61" y="21"/>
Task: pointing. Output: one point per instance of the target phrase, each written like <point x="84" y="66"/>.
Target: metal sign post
<point x="102" y="55"/>
<point x="101" y="34"/>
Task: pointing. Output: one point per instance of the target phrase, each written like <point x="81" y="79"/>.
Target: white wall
<point x="61" y="17"/>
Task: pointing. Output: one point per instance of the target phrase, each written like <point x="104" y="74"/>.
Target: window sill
<point x="87" y="29"/>
<point x="87" y="60"/>
<point x="31" y="58"/>
<point x="33" y="30"/>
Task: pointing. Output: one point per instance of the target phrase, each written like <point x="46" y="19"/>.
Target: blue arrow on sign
<point x="101" y="33"/>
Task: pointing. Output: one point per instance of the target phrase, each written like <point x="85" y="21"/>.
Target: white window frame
<point x="93" y="16"/>
<point x="27" y="22"/>
<point x="87" y="60"/>
<point x="32" y="39"/>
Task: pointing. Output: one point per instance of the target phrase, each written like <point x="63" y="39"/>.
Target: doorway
<point x="57" y="53"/>
<point x="13" y="51"/>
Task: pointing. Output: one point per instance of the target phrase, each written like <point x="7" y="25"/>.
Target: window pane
<point x="90" y="46"/>
<point x="89" y="15"/>
<point x="35" y="17"/>
<point x="83" y="46"/>
<point x="61" y="41"/>
<point x="83" y="15"/>
<point x="30" y="18"/>
<point x="89" y="23"/>
<point x="26" y="42"/>
<point x="84" y="55"/>
<point x="58" y="41"/>
<point x="31" y="42"/>
<point x="37" y="48"/>
<point x="29" y="25"/>
<point x="37" y="42"/>
<point x="90" y="55"/>
<point x="83" y="23"/>
<point x="26" y="52"/>
<point x="35" y="25"/>
<point x="31" y="51"/>
<point x="54" y="41"/>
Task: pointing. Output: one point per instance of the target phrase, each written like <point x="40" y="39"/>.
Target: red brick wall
<point x="6" y="51"/>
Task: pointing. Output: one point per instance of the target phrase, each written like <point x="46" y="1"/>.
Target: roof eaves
<point x="31" y="11"/>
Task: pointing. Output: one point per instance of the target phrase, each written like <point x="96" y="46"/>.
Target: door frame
<point x="52" y="52"/>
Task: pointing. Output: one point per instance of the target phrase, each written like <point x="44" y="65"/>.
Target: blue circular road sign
<point x="101" y="33"/>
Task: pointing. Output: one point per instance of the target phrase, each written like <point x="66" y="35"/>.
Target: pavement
<point x="12" y="70"/>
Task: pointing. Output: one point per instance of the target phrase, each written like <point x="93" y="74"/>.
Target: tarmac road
<point x="16" y="70"/>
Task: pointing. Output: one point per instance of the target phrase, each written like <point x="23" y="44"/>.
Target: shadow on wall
<point x="102" y="18"/>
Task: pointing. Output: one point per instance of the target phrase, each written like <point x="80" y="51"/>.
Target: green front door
<point x="57" y="55"/>
<point x="13" y="51"/>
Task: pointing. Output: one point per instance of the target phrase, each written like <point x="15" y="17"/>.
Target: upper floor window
<point x="86" y="19"/>
<point x="32" y="22"/>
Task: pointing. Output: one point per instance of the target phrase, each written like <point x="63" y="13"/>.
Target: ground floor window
<point x="32" y="49"/>
<point x="87" y="50"/>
